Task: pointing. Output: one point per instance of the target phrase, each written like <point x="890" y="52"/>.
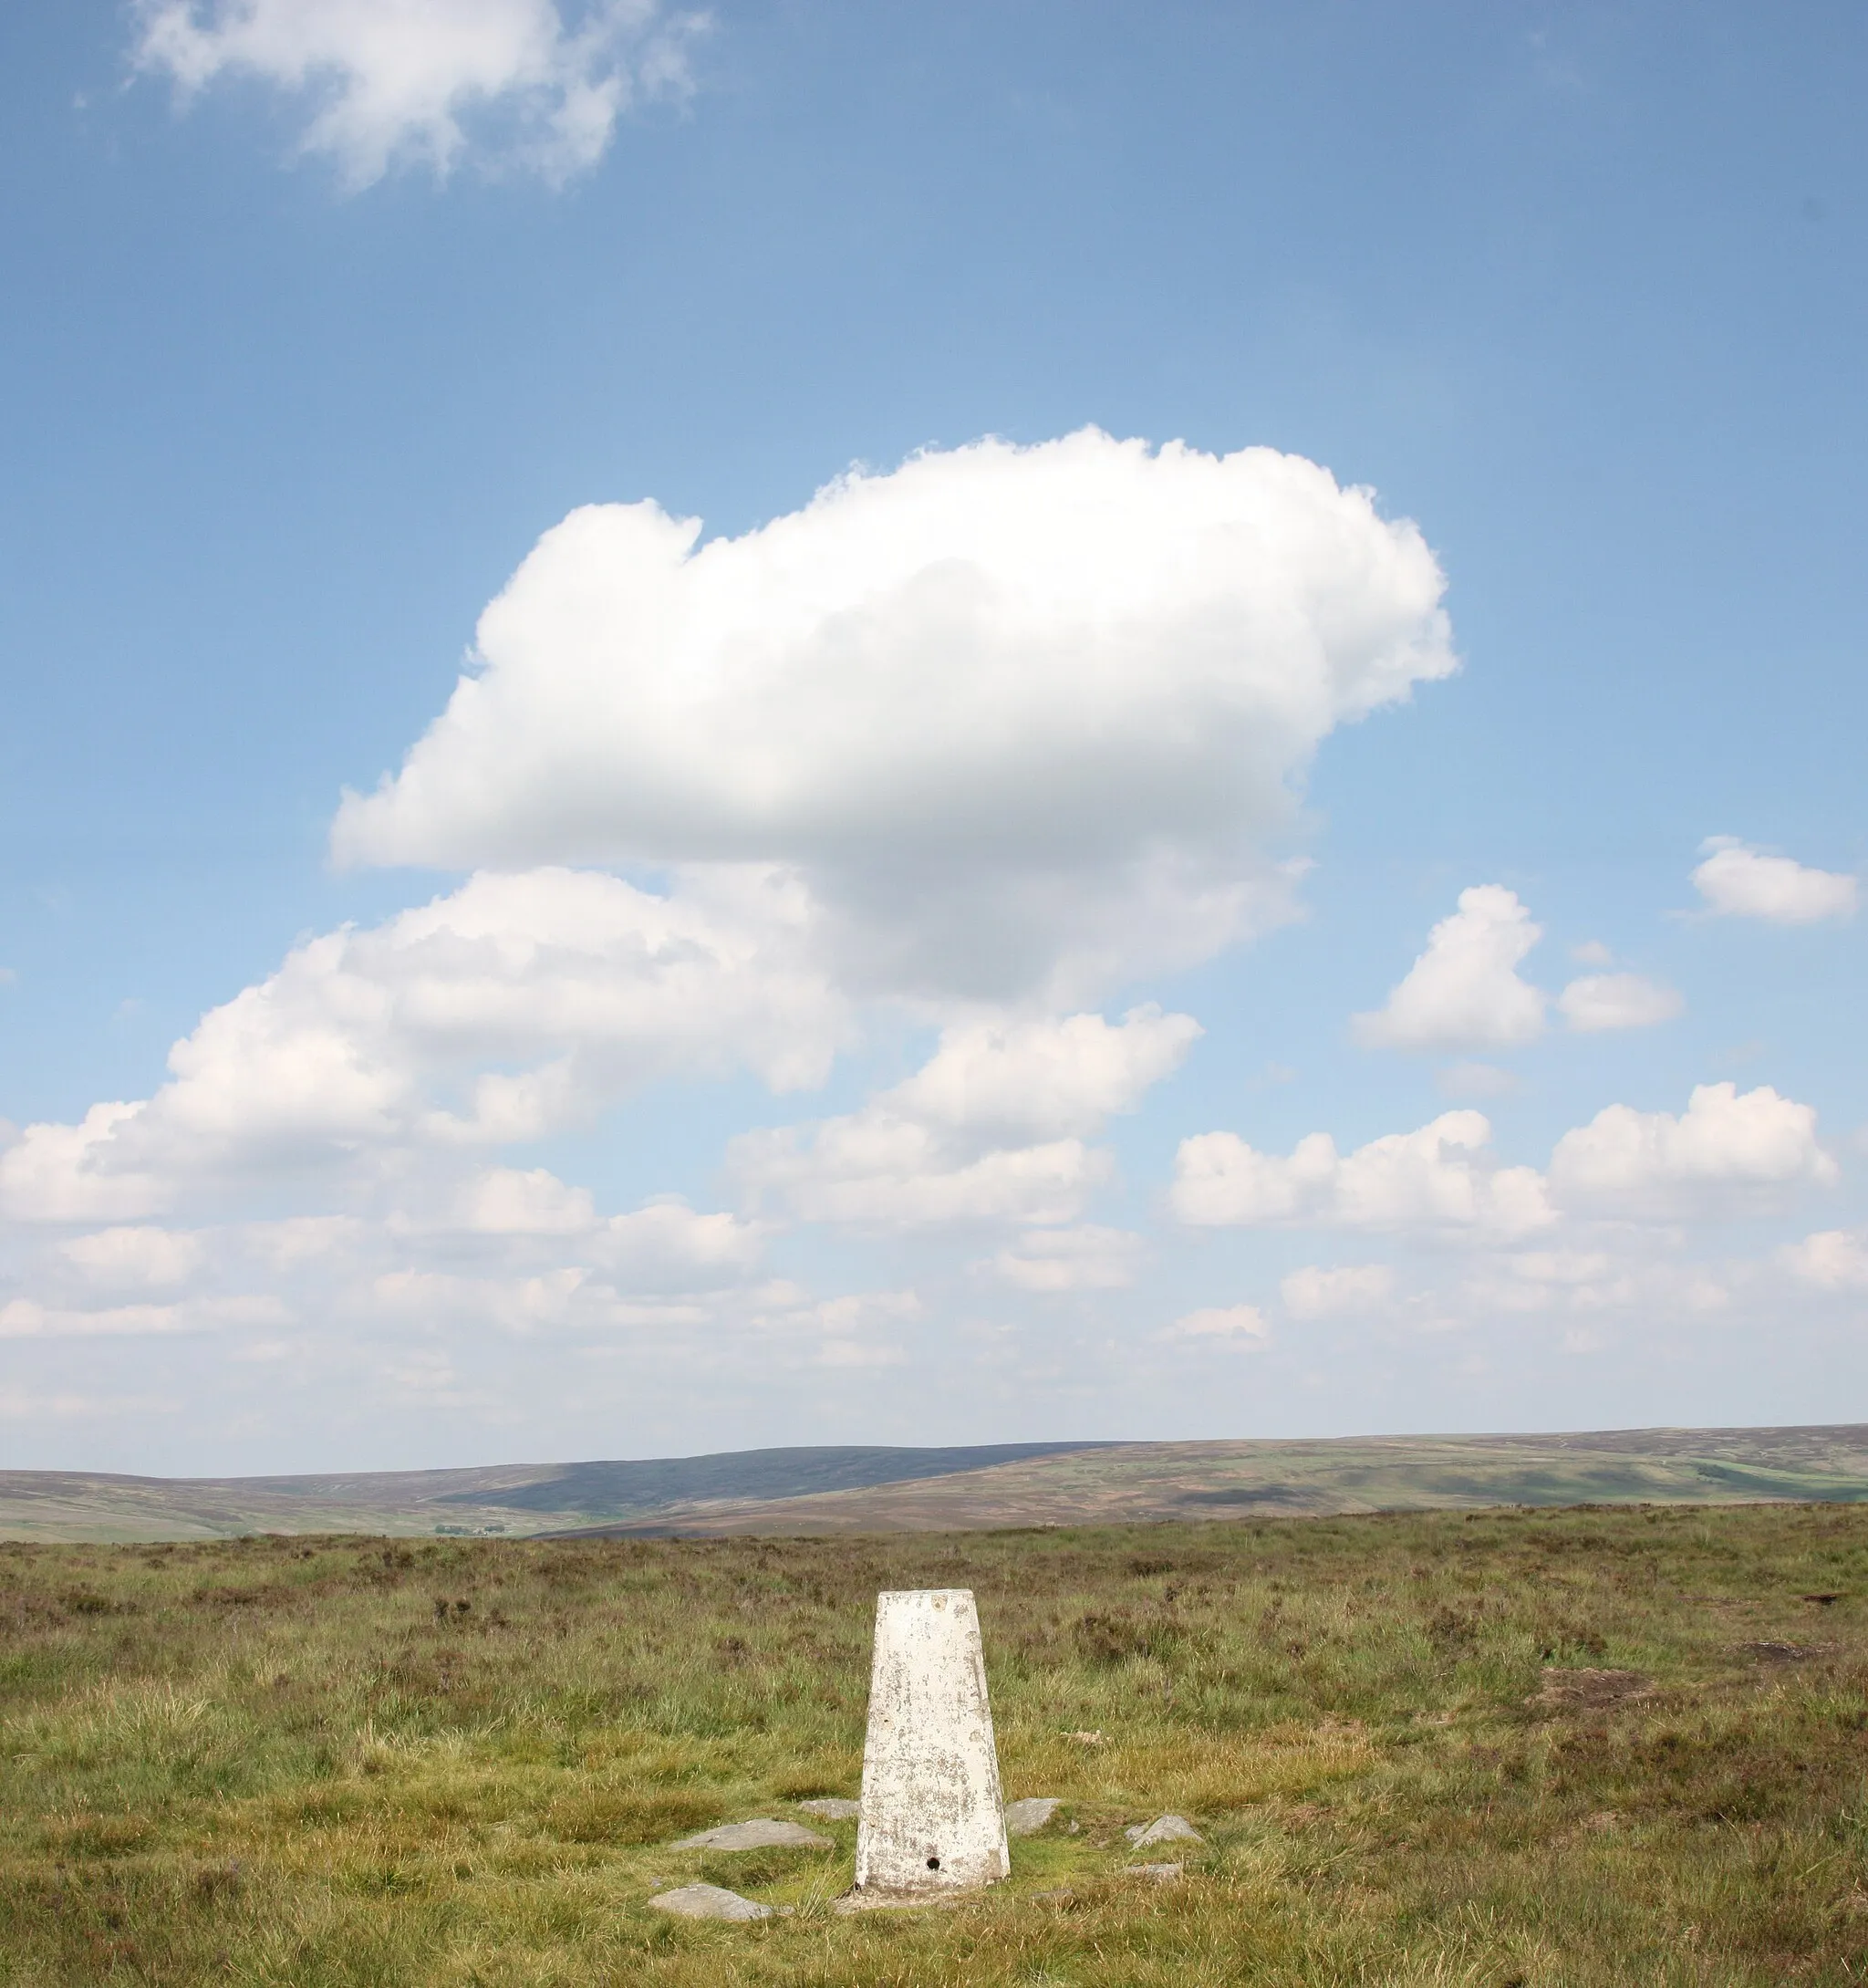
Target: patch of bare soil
<point x="1783" y="1652"/>
<point x="1589" y="1690"/>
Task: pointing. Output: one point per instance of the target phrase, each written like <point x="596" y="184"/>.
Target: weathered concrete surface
<point x="708" y="1902"/>
<point x="763" y="1833"/>
<point x="895" y="1902"/>
<point x="1163" y="1829"/>
<point x="1025" y="1818"/>
<point x="932" y="1816"/>
<point x="832" y="1807"/>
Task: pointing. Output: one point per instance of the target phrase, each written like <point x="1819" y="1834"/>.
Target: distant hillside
<point x="857" y="1489"/>
<point x="749" y="1474"/>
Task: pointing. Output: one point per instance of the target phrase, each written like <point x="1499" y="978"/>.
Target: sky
<point x="887" y="723"/>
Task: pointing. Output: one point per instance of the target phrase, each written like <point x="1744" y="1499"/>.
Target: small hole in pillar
<point x="933" y="1863"/>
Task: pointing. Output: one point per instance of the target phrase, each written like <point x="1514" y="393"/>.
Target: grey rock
<point x="1163" y="1829"/>
<point x="1163" y="1874"/>
<point x="763" y="1833"/>
<point x="708" y="1902"/>
<point x="1025" y="1818"/>
<point x="833" y="1807"/>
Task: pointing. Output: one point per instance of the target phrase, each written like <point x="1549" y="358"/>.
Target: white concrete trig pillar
<point x="933" y="1818"/>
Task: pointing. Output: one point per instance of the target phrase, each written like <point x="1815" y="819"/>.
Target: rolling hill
<point x="860" y="1489"/>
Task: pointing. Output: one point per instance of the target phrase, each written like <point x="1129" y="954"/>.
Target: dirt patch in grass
<point x="1589" y="1690"/>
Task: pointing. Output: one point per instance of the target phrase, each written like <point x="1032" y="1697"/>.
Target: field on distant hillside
<point x="1558" y="1749"/>
<point x="871" y="1489"/>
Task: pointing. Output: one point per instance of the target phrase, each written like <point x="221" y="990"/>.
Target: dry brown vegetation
<point x="1555" y="1747"/>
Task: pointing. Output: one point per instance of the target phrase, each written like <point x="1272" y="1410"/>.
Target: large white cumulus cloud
<point x="967" y="746"/>
<point x="1002" y="706"/>
<point x="501" y="1011"/>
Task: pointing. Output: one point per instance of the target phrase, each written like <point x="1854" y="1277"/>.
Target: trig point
<point x="932" y="1816"/>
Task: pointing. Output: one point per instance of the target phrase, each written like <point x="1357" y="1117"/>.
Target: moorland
<point x="1550" y="1748"/>
<point x="872" y="1489"/>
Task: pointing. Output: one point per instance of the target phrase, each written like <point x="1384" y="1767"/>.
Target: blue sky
<point x="309" y="344"/>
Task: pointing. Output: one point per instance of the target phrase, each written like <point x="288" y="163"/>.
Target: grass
<point x="1539" y="1748"/>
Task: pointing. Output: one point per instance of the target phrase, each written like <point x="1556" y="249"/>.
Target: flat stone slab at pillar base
<point x="763" y="1833"/>
<point x="708" y="1902"/>
<point x="1025" y="1818"/>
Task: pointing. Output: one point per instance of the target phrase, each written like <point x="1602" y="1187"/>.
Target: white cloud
<point x="1739" y="881"/>
<point x="1239" y="1326"/>
<point x="1086" y="1258"/>
<point x="1443" y="1176"/>
<point x="1316" y="1293"/>
<point x="504" y="1201"/>
<point x="1580" y="1284"/>
<point x="1464" y="992"/>
<point x="1045" y="1077"/>
<point x="1833" y="1260"/>
<point x="135" y="1257"/>
<point x="421" y="80"/>
<point x="1023" y="718"/>
<point x="510" y="1009"/>
<point x="662" y="1246"/>
<point x="1605" y="1001"/>
<point x="668" y="1246"/>
<point x="27" y="1318"/>
<point x="857" y="1311"/>
<point x="869" y="1170"/>
<point x="65" y="1172"/>
<point x="992" y="1127"/>
<point x="1726" y="1148"/>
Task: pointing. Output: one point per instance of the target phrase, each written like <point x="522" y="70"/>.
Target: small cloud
<point x="1081" y="1259"/>
<point x="1241" y="1326"/>
<point x="1833" y="1260"/>
<point x="1464" y="992"/>
<point x="1739" y="881"/>
<point x="1590" y="953"/>
<point x="1606" y="1001"/>
<point x="1315" y="1293"/>
<point x="424" y="80"/>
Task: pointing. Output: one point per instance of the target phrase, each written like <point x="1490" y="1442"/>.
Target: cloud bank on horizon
<point x="958" y="754"/>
